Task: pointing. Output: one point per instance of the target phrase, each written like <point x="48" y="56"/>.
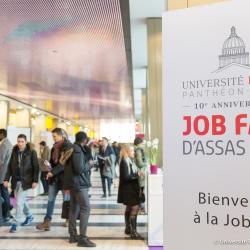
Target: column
<point x="4" y="110"/>
<point x="154" y="81"/>
<point x="144" y="114"/>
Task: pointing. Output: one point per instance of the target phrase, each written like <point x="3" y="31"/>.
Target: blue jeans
<point x="21" y="204"/>
<point x="53" y="191"/>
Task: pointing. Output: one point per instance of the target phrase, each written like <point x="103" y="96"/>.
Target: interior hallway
<point x="106" y="226"/>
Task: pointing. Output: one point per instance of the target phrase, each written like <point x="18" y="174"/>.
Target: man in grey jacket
<point x="5" y="153"/>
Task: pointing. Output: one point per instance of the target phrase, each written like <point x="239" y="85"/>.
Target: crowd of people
<point x="67" y="168"/>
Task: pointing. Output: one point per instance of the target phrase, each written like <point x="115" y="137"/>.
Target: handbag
<point x="65" y="210"/>
<point x="141" y="197"/>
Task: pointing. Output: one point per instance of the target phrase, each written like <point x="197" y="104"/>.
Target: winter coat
<point x="29" y="168"/>
<point x="58" y="168"/>
<point x="76" y="170"/>
<point x="5" y="153"/>
<point x="129" y="189"/>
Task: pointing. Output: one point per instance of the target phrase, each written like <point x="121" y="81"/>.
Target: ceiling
<point x="67" y="57"/>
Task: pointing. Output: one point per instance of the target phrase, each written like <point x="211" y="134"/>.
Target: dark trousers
<point x="79" y="200"/>
<point x="109" y="181"/>
<point x="6" y="206"/>
<point x="44" y="182"/>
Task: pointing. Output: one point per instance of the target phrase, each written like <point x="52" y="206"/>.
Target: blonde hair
<point x="125" y="150"/>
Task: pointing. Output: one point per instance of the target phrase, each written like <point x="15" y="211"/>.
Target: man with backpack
<point x="76" y="181"/>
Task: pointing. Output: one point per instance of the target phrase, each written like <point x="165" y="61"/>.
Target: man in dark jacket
<point x="60" y="153"/>
<point x="77" y="182"/>
<point x="23" y="169"/>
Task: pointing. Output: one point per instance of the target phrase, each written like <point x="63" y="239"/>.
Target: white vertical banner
<point x="207" y="127"/>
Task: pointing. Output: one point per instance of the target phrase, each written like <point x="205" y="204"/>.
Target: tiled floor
<point x="106" y="226"/>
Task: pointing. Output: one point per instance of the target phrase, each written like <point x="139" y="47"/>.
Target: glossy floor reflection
<point x="106" y="226"/>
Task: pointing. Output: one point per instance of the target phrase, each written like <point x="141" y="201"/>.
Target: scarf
<point x="56" y="152"/>
<point x="131" y="163"/>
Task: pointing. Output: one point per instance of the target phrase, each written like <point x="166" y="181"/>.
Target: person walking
<point x="77" y="182"/>
<point x="23" y="169"/>
<point x="107" y="166"/>
<point x="129" y="190"/>
<point x="45" y="157"/>
<point x="60" y="153"/>
<point x="5" y="154"/>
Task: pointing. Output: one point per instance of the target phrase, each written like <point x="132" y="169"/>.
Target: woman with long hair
<point x="129" y="190"/>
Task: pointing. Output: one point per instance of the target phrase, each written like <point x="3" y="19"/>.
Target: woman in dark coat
<point x="129" y="190"/>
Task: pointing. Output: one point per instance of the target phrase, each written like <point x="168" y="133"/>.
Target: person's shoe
<point x="45" y="226"/>
<point x="86" y="243"/>
<point x="13" y="228"/>
<point x="133" y="232"/>
<point x="66" y="223"/>
<point x="127" y="231"/>
<point x="27" y="221"/>
<point x="136" y="236"/>
<point x="104" y="196"/>
<point x="110" y="194"/>
<point x="73" y="239"/>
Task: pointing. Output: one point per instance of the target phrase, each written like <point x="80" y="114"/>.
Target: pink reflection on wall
<point x="70" y="52"/>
